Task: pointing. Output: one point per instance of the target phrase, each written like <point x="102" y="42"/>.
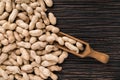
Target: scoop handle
<point x="102" y="57"/>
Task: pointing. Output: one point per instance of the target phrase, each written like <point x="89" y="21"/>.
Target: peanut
<point x="50" y="48"/>
<point x="33" y="22"/>
<point x="13" y="15"/>
<point x="52" y="29"/>
<point x="23" y="44"/>
<point x="45" y="19"/>
<point x="62" y="57"/>
<point x="34" y="56"/>
<point x="13" y="69"/>
<point x="36" y="32"/>
<point x="3" y="57"/>
<point x="55" y="68"/>
<point x="38" y="9"/>
<point x="71" y="47"/>
<point x="48" y="63"/>
<point x="38" y="45"/>
<point x="17" y="37"/>
<point x="19" y="30"/>
<point x="11" y="37"/>
<point x="33" y="40"/>
<point x="9" y="47"/>
<point x="8" y="26"/>
<point x="79" y="45"/>
<point x="8" y="6"/>
<point x="50" y="57"/>
<point x="44" y="71"/>
<point x="2" y="7"/>
<point x="69" y="40"/>
<point x="40" y="25"/>
<point x="4" y="16"/>
<point x="23" y="17"/>
<point x="43" y="37"/>
<point x="26" y="67"/>
<point x="72" y="41"/>
<point x="49" y="3"/>
<point x="28" y="9"/>
<point x="53" y="76"/>
<point x="22" y="24"/>
<point x="52" y="18"/>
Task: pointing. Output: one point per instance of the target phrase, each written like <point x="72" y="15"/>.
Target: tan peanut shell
<point x="13" y="15"/>
<point x="2" y="7"/>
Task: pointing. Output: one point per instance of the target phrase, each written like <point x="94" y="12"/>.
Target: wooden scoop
<point x="88" y="51"/>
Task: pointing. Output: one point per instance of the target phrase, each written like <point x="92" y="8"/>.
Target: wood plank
<point x="97" y="22"/>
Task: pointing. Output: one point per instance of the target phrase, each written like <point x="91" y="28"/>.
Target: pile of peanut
<point x="27" y="35"/>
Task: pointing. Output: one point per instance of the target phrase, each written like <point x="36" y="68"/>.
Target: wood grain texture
<point x="97" y="22"/>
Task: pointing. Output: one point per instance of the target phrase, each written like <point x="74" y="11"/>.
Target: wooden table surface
<point x="97" y="22"/>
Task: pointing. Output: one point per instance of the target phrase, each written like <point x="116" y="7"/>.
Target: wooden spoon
<point x="88" y="51"/>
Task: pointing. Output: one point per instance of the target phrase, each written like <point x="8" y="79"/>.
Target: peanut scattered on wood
<point x="27" y="36"/>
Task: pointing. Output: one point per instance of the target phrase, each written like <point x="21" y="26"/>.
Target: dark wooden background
<point x="97" y="22"/>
